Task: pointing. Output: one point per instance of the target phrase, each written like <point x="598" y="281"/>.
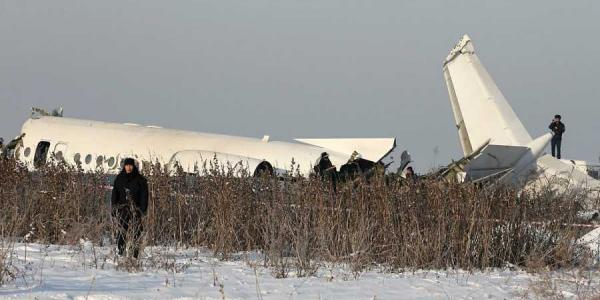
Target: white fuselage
<point x="102" y="146"/>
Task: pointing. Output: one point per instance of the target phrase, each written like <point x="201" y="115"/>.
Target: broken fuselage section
<point x="102" y="146"/>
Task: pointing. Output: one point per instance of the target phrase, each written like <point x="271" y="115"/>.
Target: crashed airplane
<point x="101" y="146"/>
<point x="496" y="145"/>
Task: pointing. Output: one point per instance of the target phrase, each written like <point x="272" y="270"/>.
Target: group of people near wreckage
<point x="129" y="198"/>
<point x="354" y="168"/>
<point x="327" y="170"/>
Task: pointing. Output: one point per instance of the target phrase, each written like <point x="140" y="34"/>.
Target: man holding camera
<point x="558" y="128"/>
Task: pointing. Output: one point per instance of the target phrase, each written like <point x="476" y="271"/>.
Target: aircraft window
<point x="58" y="155"/>
<point x="88" y="159"/>
<point x="41" y="153"/>
<point x="99" y="160"/>
<point x="77" y="158"/>
<point x="111" y="162"/>
<point x="27" y="152"/>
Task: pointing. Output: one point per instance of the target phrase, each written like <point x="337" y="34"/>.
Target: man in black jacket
<point x="558" y="128"/>
<point x="129" y="203"/>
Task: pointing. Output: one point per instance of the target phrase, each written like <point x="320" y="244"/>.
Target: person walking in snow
<point x="129" y="202"/>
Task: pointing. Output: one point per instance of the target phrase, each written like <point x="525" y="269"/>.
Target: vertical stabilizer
<point x="463" y="135"/>
<point x="480" y="110"/>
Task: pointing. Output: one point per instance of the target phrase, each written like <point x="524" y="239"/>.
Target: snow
<point x="591" y="240"/>
<point x="88" y="272"/>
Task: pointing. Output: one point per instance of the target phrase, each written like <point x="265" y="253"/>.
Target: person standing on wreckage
<point x="129" y="202"/>
<point x="558" y="128"/>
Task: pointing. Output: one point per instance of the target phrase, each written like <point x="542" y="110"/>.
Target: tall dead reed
<point x="300" y="223"/>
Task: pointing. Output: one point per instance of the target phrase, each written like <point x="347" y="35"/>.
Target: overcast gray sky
<point x="300" y="68"/>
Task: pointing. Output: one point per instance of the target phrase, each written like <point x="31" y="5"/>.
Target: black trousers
<point x="555" y="143"/>
<point x="129" y="230"/>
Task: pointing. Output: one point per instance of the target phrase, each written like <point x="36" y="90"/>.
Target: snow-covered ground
<point x="87" y="272"/>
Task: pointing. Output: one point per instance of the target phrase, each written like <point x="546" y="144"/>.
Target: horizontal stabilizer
<point x="494" y="159"/>
<point x="370" y="149"/>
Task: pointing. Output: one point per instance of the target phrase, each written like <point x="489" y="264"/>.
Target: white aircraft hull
<point x="95" y="145"/>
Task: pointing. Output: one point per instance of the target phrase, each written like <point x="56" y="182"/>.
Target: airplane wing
<point x="480" y="110"/>
<point x="372" y="149"/>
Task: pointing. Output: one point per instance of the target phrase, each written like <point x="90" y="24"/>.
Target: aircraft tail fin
<point x="480" y="110"/>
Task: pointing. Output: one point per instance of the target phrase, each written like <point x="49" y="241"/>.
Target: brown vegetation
<point x="299" y="223"/>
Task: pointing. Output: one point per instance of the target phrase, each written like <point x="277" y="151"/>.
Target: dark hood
<point x="130" y="161"/>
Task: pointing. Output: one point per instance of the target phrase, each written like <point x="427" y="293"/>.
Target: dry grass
<point x="302" y="223"/>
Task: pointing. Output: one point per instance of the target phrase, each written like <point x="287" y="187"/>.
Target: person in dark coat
<point x="129" y="203"/>
<point x="324" y="166"/>
<point x="326" y="169"/>
<point x="410" y="174"/>
<point x="558" y="128"/>
<point x="351" y="169"/>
